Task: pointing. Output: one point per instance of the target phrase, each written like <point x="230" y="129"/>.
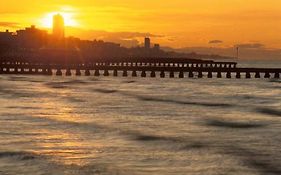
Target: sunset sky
<point x="177" y="23"/>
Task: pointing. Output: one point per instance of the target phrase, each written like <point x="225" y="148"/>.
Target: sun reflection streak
<point x="62" y="139"/>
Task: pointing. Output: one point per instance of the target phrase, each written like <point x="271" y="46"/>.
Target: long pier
<point x="172" y="68"/>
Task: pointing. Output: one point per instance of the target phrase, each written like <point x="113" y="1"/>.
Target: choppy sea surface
<point x="139" y="126"/>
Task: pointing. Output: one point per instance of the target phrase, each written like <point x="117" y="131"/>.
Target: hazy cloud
<point x="134" y="34"/>
<point x="215" y="42"/>
<point x="127" y="39"/>
<point x="250" y="46"/>
<point x="9" y="24"/>
<point x="261" y="52"/>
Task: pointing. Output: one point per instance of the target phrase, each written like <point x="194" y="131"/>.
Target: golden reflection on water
<point x="61" y="140"/>
<point x="151" y="137"/>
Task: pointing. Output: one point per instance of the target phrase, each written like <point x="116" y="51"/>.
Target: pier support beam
<point x="276" y="75"/>
<point x="181" y="75"/>
<point x="200" y="74"/>
<point x="153" y="75"/>
<point x="21" y="71"/>
<point x="228" y="75"/>
<point x="106" y="73"/>
<point x="115" y="73"/>
<point x="30" y="71"/>
<point x="49" y="71"/>
<point x="44" y="71"/>
<point x="78" y="72"/>
<point x="87" y="72"/>
<point x="143" y="73"/>
<point x="267" y="75"/>
<point x="125" y="73"/>
<point x="248" y="75"/>
<point x="162" y="74"/>
<point x="190" y="74"/>
<point x="97" y="73"/>
<point x="58" y="73"/>
<point x="257" y="75"/>
<point x="172" y="75"/>
<point x="68" y="72"/>
<point x="134" y="73"/>
<point x="16" y="71"/>
<point x="219" y="75"/>
<point x="238" y="75"/>
<point x="210" y="74"/>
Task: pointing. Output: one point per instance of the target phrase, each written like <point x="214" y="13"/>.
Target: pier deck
<point x="152" y="68"/>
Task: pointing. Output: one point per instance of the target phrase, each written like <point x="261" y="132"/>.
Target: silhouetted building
<point x="6" y="37"/>
<point x="31" y="38"/>
<point x="58" y="27"/>
<point x="55" y="47"/>
<point x="156" y="46"/>
<point x="7" y="40"/>
<point x="147" y="43"/>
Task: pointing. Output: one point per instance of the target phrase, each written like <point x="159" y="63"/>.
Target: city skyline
<point x="231" y="22"/>
<point x="212" y="27"/>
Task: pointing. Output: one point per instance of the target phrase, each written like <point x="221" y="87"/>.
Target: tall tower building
<point x="58" y="27"/>
<point x="147" y="43"/>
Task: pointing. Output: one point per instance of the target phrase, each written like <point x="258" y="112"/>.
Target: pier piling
<point x="153" y="75"/>
<point x="97" y="73"/>
<point x="228" y="75"/>
<point x="162" y="74"/>
<point x="248" y="75"/>
<point x="49" y="71"/>
<point x="134" y="73"/>
<point x="190" y="74"/>
<point x="257" y="75"/>
<point x="125" y="73"/>
<point x="78" y="72"/>
<point x="143" y="74"/>
<point x="106" y="73"/>
<point x="115" y="73"/>
<point x="68" y="72"/>
<point x="87" y="72"/>
<point x="219" y="75"/>
<point x="172" y="74"/>
<point x="276" y="75"/>
<point x="267" y="75"/>
<point x="238" y="75"/>
<point x="181" y="74"/>
<point x="200" y="74"/>
<point x="58" y="73"/>
<point x="210" y="74"/>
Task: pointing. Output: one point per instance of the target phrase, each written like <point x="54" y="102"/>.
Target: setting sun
<point x="69" y="20"/>
<point x="140" y="87"/>
<point x="204" y="24"/>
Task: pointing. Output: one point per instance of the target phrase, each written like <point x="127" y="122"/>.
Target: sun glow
<point x="69" y="20"/>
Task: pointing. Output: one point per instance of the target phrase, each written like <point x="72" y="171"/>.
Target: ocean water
<point x="139" y="126"/>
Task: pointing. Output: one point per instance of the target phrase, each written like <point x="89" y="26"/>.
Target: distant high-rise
<point x="147" y="43"/>
<point x="58" y="27"/>
<point x="156" y="46"/>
